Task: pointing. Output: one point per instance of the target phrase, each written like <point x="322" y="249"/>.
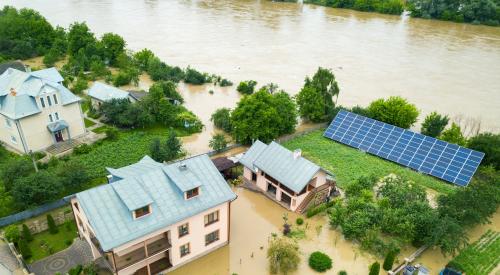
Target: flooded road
<point x="448" y="67"/>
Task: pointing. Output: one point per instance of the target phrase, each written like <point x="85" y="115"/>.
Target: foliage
<point x="24" y="249"/>
<point x="489" y="144"/>
<point x="222" y="119"/>
<point x="113" y="46"/>
<point x="320" y="208"/>
<point x="225" y="83"/>
<point x="111" y="133"/>
<point x="172" y="147"/>
<point x="50" y="58"/>
<point x="263" y="116"/>
<point x="188" y="120"/>
<point x="319" y="261"/>
<point x="26" y="234"/>
<point x="481" y="257"/>
<point x="342" y="272"/>
<point x="299" y="221"/>
<point x="156" y="151"/>
<point x="82" y="149"/>
<point x="246" y="87"/>
<point x="381" y="6"/>
<point x="76" y="270"/>
<point x="315" y="100"/>
<point x="434" y="124"/>
<point x="218" y="142"/>
<point x="12" y="233"/>
<point x="375" y="268"/>
<point x="193" y="76"/>
<point x="80" y="85"/>
<point x="123" y="113"/>
<point x="14" y="169"/>
<point x="141" y="58"/>
<point x="395" y="110"/>
<point x="72" y="175"/>
<point x="52" y="225"/>
<point x="389" y="260"/>
<point x="35" y="189"/>
<point x="453" y="135"/>
<point x="283" y="255"/>
<point x="159" y="70"/>
<point x="471" y="11"/>
<point x="168" y="88"/>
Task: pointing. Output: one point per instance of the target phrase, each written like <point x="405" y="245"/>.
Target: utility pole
<point x="33" y="160"/>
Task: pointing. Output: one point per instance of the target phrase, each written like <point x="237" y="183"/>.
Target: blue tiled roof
<point x="50" y="74"/>
<point x="105" y="92"/>
<point x="27" y="87"/>
<point x="108" y="210"/>
<point x="252" y="154"/>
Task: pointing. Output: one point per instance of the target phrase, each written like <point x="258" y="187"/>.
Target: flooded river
<point x="444" y="66"/>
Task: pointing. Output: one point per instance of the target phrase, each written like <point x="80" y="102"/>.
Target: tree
<point x="287" y="110"/>
<point x="453" y="135"/>
<point x="81" y="38"/>
<point x="24" y="249"/>
<point x="26" y="233"/>
<point x="72" y="174"/>
<point x="489" y="144"/>
<point x="311" y="104"/>
<point x="222" y="119"/>
<point x="389" y="260"/>
<point x="375" y="268"/>
<point x="194" y="77"/>
<point x="52" y="225"/>
<point x="172" y="147"/>
<point x="35" y="189"/>
<point x="80" y="85"/>
<point x="320" y="261"/>
<point x="114" y="45"/>
<point x="50" y="58"/>
<point x="12" y="234"/>
<point x="395" y="110"/>
<point x="434" y="124"/>
<point x="246" y="87"/>
<point x="15" y="169"/>
<point x="169" y="90"/>
<point x="283" y="255"/>
<point x="142" y="58"/>
<point x="156" y="151"/>
<point x="218" y="142"/>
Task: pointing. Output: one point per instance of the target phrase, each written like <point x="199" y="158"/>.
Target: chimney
<point x="297" y="153"/>
<point x="183" y="167"/>
<point x="13" y="92"/>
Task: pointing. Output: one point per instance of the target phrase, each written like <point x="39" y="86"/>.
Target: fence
<point x="34" y="212"/>
<point x="19" y="257"/>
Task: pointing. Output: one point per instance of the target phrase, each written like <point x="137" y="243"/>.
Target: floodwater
<point x="449" y="67"/>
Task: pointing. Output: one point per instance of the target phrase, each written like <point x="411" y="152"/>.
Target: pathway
<point x="6" y="258"/>
<point x="78" y="253"/>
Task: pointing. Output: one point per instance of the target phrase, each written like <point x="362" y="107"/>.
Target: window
<point x="142" y="211"/>
<point x="212" y="218"/>
<point x="13" y="139"/>
<point x="49" y="101"/>
<point x="192" y="193"/>
<point x="50" y="118"/>
<point x="8" y="122"/>
<point x="184" y="249"/>
<point x="212" y="237"/>
<point x="42" y="102"/>
<point x="56" y="115"/>
<point x="183" y="230"/>
<point x="55" y="99"/>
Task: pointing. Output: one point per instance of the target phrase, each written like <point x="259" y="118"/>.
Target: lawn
<point x="88" y="123"/>
<point x="45" y="244"/>
<point x="481" y="257"/>
<point x="348" y="163"/>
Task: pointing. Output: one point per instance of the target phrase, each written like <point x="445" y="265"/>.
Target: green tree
<point x="50" y="58"/>
<point x="375" y="268"/>
<point x="80" y="85"/>
<point x="72" y="175"/>
<point x="172" y="146"/>
<point x="142" y="58"/>
<point x="26" y="233"/>
<point x="319" y="261"/>
<point x="12" y="233"/>
<point x="246" y="87"/>
<point x="287" y="110"/>
<point x="389" y="260"/>
<point x="114" y="45"/>
<point x="395" y="110"/>
<point x="169" y="90"/>
<point x="218" y="142"/>
<point x="489" y="144"/>
<point x="24" y="249"/>
<point x="311" y="104"/>
<point x="194" y="77"/>
<point x="283" y="255"/>
<point x="52" y="225"/>
<point x="15" y="169"/>
<point x="222" y="119"/>
<point x="453" y="135"/>
<point x="35" y="189"/>
<point x="156" y="150"/>
<point x="81" y="38"/>
<point x="434" y="124"/>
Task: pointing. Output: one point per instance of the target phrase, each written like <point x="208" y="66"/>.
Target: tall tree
<point x="222" y="119"/>
<point x="36" y="189"/>
<point x="283" y="255"/>
<point x="395" y="110"/>
<point x="113" y="45"/>
<point x="434" y="124"/>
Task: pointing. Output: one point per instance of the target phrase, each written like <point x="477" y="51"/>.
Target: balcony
<point x="130" y="258"/>
<point x="158" y="246"/>
<point x="160" y="265"/>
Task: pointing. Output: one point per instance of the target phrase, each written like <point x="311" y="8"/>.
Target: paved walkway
<point x="6" y="258"/>
<point x="78" y="253"/>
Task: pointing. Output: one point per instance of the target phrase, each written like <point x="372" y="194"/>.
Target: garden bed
<point x="45" y="244"/>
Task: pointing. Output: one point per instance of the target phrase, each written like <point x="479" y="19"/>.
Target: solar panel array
<point x="432" y="156"/>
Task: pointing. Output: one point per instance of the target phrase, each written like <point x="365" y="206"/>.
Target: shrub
<point x="375" y="268"/>
<point x="225" y="83"/>
<point x="342" y="272"/>
<point x="489" y="144"/>
<point x="82" y="149"/>
<point x="389" y="259"/>
<point x="218" y="142"/>
<point x="246" y="87"/>
<point x="434" y="124"/>
<point x="27" y="233"/>
<point x="52" y="225"/>
<point x="320" y="208"/>
<point x="24" y="249"/>
<point x="76" y="270"/>
<point x="395" y="110"/>
<point x="283" y="255"/>
<point x="194" y="77"/>
<point x="320" y="261"/>
<point x="222" y="119"/>
<point x="299" y="221"/>
<point x="453" y="135"/>
<point x="12" y="233"/>
<point x="68" y="242"/>
<point x="111" y="134"/>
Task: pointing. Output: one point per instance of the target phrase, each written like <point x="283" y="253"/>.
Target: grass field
<point x="481" y="257"/>
<point x="348" y="163"/>
<point x="88" y="123"/>
<point x="45" y="244"/>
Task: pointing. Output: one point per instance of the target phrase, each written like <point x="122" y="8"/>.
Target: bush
<point x="299" y="221"/>
<point x="24" y="249"/>
<point x="375" y="268"/>
<point x="342" y="272"/>
<point x="225" y="83"/>
<point x="395" y="110"/>
<point x="27" y="233"/>
<point x="218" y="142"/>
<point x="82" y="149"/>
<point x="283" y="255"/>
<point x="194" y="77"/>
<point x="434" y="124"/>
<point x="489" y="144"/>
<point x="453" y="135"/>
<point x="52" y="225"/>
<point x="246" y="87"/>
<point x="12" y="233"/>
<point x="76" y="270"/>
<point x="111" y="134"/>
<point x="68" y="242"/>
<point x="320" y="208"/>
<point x="320" y="261"/>
<point x="222" y="119"/>
<point x="389" y="260"/>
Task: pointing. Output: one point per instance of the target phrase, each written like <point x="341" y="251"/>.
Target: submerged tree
<point x="434" y="124"/>
<point x="218" y="142"/>
<point x="283" y="255"/>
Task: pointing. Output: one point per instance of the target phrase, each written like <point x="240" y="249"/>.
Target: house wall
<point x="7" y="132"/>
<point x="196" y="237"/>
<point x="34" y="127"/>
<point x="262" y="183"/>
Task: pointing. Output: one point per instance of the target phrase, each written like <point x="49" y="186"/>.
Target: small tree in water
<point x="218" y="142"/>
<point x="283" y="255"/>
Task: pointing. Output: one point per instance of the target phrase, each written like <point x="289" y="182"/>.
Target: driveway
<point x="78" y="253"/>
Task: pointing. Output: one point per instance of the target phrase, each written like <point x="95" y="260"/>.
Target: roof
<point x="27" y="87"/>
<point x="280" y="163"/>
<point x="223" y="163"/>
<point x="50" y="74"/>
<point x="104" y="92"/>
<point x="18" y="65"/>
<point x="137" y="95"/>
<point x="57" y="126"/>
<point x="107" y="207"/>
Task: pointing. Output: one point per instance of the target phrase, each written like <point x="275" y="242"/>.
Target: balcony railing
<point x="160" y="265"/>
<point x="130" y="258"/>
<point x="158" y="246"/>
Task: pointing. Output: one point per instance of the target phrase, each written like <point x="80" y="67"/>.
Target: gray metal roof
<point x="104" y="92"/>
<point x="26" y="87"/>
<point x="280" y="163"/>
<point x="57" y="126"/>
<point x="108" y="210"/>
<point x="252" y="154"/>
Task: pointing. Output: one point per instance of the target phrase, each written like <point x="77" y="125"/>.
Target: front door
<point x="59" y="136"/>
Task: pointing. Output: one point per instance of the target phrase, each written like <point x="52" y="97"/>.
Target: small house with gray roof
<point x="285" y="176"/>
<point x="37" y="111"/>
<point x="100" y="93"/>
<point x="152" y="217"/>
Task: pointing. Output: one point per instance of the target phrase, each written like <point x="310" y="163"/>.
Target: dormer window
<point x="192" y="193"/>
<point x="143" y="211"/>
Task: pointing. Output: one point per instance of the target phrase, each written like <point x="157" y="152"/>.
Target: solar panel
<point x="428" y="155"/>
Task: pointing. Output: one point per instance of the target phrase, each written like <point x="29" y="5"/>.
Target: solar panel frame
<point x="425" y="154"/>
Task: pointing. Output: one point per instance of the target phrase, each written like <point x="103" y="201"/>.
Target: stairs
<point x="61" y="147"/>
<point x="316" y="196"/>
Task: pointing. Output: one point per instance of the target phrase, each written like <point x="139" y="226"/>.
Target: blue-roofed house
<point x="155" y="217"/>
<point x="37" y="111"/>
<point x="286" y="176"/>
<point x="100" y="93"/>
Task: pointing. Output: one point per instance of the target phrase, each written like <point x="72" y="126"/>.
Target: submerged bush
<point x="320" y="262"/>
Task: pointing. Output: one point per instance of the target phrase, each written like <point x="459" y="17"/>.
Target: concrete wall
<point x="6" y="132"/>
<point x="39" y="224"/>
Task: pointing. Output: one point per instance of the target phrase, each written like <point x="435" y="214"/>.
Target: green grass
<point x="88" y="123"/>
<point x="481" y="257"/>
<point x="348" y="163"/>
<point x="45" y="244"/>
